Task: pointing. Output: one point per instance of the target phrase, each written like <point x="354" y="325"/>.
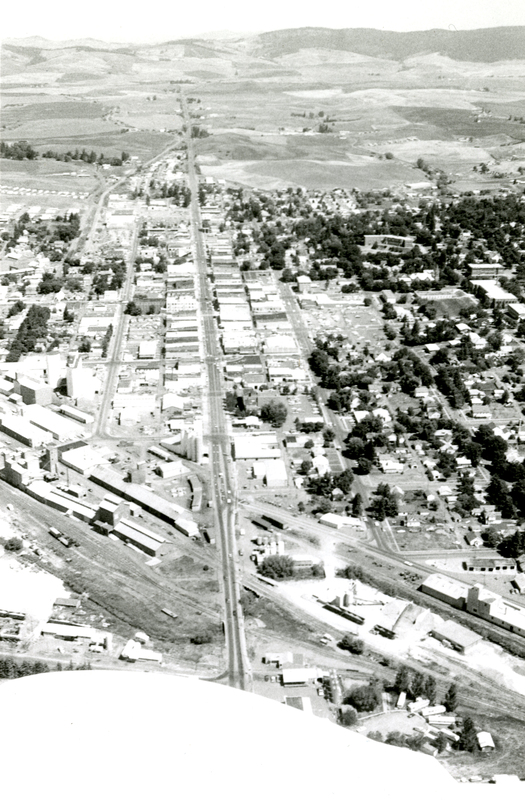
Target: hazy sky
<point x="158" y="20"/>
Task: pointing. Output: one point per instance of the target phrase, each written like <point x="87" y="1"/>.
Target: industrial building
<point x="152" y="503"/>
<point x="446" y="589"/>
<point x="62" y="430"/>
<point x="141" y="538"/>
<point x="493" y="608"/>
<point x="456" y="636"/>
<point x="61" y="501"/>
<point x="23" y="431"/>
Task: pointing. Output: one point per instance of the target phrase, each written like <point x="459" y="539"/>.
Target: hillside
<point x="485" y="45"/>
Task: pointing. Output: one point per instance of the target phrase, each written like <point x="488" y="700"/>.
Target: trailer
<point x="169" y="613"/>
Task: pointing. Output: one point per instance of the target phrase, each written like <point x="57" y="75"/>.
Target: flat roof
<point x="494" y="290"/>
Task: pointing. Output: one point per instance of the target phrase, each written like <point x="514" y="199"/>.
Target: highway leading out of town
<point x="222" y="482"/>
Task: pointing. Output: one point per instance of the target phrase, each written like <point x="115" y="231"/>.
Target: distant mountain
<point x="40" y="43"/>
<point x="484" y="45"/>
<point x="289" y="53"/>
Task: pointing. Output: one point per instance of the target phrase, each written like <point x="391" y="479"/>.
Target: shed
<point x="485" y="741"/>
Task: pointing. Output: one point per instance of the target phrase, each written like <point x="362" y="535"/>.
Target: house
<point x="473" y="539"/>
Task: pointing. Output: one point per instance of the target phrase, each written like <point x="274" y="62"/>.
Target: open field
<point x="49" y="175"/>
<point x="430" y="104"/>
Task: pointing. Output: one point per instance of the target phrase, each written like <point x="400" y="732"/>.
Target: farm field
<point x="454" y="114"/>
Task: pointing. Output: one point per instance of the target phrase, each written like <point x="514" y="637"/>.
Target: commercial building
<point x="276" y="476"/>
<point x="33" y="391"/>
<point x="339" y="521"/>
<point x="147" y="349"/>
<point x="298" y="676"/>
<point x="55" y="498"/>
<point x="255" y="447"/>
<point x="484" y="271"/>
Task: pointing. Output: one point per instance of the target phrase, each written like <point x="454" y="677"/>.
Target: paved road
<point x="114" y="361"/>
<point x="222" y="482"/>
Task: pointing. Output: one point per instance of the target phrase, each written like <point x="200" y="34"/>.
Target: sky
<point x="159" y="20"/>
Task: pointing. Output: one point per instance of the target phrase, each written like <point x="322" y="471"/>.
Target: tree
<point x="202" y="638"/>
<point x="492" y="537"/>
<point x="430" y="689"/>
<point x="305" y="467"/>
<point x="275" y="413"/>
<point x="324" y="505"/>
<point x="348" y="716"/>
<point x="364" y="698"/>
<point x="132" y="309"/>
<point x="344" y="480"/>
<point x="354" y="447"/>
<point x="417" y="687"/>
<point x="451" y="698"/>
<point x="14" y="545"/>
<point x="277" y="567"/>
<point x="403" y="679"/>
<point x="357" y="505"/>
<point x="364" y="466"/>
<point x="468" y="736"/>
<point x="441" y="742"/>
<point x="85" y="345"/>
<point x="15" y="309"/>
<point x="352" y="644"/>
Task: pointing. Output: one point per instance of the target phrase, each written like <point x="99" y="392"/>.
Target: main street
<point x="223" y="486"/>
<point x="113" y="363"/>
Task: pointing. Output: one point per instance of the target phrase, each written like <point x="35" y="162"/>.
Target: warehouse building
<point x="456" y="636"/>
<point x="145" y="540"/>
<point x="446" y="589"/>
<point x="23" y="431"/>
<point x="62" y="430"/>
